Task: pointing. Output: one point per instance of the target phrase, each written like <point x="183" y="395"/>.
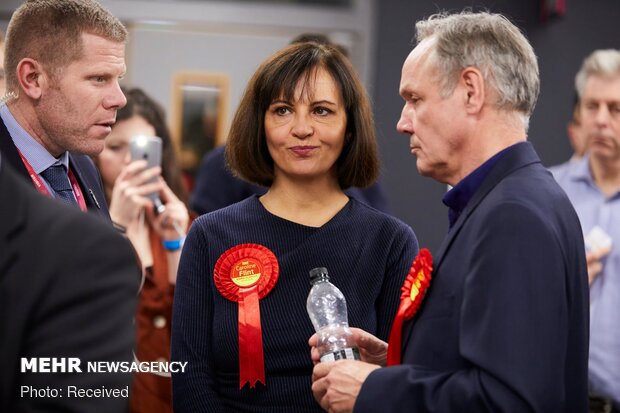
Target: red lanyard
<point x="43" y="189"/>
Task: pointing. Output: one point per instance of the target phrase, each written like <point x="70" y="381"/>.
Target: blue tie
<point x="56" y="176"/>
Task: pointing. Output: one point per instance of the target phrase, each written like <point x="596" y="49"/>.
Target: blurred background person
<point x="576" y="137"/>
<point x="593" y="186"/>
<point x="217" y="187"/>
<point x="157" y="238"/>
<point x="304" y="129"/>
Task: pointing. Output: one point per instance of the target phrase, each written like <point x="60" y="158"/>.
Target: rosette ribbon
<point x="413" y="292"/>
<point x="244" y="274"/>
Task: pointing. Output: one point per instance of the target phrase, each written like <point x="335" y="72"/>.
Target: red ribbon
<point x="245" y="274"/>
<point x="251" y="358"/>
<point x="413" y="292"/>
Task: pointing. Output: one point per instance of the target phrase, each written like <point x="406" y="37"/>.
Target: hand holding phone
<point x="148" y="148"/>
<point x="598" y="244"/>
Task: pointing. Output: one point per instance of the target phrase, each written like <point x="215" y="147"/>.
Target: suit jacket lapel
<point x="87" y="191"/>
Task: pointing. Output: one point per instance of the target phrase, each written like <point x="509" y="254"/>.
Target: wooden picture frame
<point x="199" y="110"/>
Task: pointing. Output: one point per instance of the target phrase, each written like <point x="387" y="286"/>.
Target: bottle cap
<point x="318" y="274"/>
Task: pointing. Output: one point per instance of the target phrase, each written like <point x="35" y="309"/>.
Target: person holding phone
<point x="303" y="129"/>
<point x="129" y="187"/>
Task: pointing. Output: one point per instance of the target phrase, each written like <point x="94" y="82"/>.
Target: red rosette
<point x="413" y="291"/>
<point x="229" y="281"/>
<point x="244" y="274"/>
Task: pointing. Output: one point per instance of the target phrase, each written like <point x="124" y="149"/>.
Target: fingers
<point x="143" y="190"/>
<point x="320" y="384"/>
<point x="336" y="385"/>
<point x="367" y="340"/>
<point x="593" y="261"/>
<point x="144" y="176"/>
<point x="133" y="183"/>
<point x="597" y="254"/>
<point x="315" y="356"/>
<point x="131" y="169"/>
<point x="321" y="370"/>
<point x="134" y="167"/>
<point x="173" y="222"/>
<point x="174" y="218"/>
<point x="136" y="174"/>
<point x="166" y="194"/>
<point x="594" y="269"/>
<point x="313" y="340"/>
<point x="319" y="390"/>
<point x="372" y="349"/>
<point x="314" y="352"/>
<point x="126" y="193"/>
<point x="129" y="195"/>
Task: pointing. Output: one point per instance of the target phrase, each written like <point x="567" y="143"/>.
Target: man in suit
<point x="504" y="325"/>
<point x="68" y="286"/>
<point x="63" y="94"/>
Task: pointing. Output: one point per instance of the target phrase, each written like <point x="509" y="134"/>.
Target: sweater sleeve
<point x="193" y="390"/>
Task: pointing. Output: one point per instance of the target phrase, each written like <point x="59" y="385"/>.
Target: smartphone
<point x="148" y="148"/>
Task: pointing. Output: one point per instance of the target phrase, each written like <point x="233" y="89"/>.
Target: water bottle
<point x="327" y="309"/>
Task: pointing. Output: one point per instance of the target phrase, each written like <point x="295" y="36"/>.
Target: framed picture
<point x="199" y="105"/>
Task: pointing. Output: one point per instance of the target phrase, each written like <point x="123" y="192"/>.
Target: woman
<point x="304" y="129"/>
<point x="157" y="238"/>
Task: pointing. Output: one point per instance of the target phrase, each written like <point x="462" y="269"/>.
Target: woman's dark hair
<point x="140" y="104"/>
<point x="246" y="148"/>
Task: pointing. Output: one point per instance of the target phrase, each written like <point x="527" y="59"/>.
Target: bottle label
<point x="344" y="354"/>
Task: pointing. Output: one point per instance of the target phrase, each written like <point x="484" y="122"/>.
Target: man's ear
<point x="31" y="77"/>
<point x="472" y="81"/>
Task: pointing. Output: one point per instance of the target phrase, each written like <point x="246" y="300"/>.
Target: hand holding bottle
<point x="372" y="349"/>
<point x="327" y="309"/>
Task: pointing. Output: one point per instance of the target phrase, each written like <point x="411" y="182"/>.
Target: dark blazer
<point x="83" y="167"/>
<point x="504" y="327"/>
<point x="68" y="285"/>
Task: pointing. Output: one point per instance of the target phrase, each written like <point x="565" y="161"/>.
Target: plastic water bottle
<point x="327" y="309"/>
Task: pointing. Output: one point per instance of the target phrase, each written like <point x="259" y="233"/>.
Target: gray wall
<point x="229" y="37"/>
<point x="226" y="37"/>
<point x="380" y="45"/>
<point x="561" y="44"/>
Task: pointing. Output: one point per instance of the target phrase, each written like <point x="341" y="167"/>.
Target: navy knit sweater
<point x="368" y="255"/>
